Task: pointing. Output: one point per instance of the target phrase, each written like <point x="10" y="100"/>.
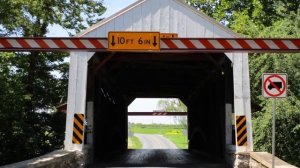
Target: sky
<point x="139" y="105"/>
<point x="147" y="105"/>
<point x="112" y="6"/>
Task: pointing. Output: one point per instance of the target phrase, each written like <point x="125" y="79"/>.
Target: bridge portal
<point x="203" y="82"/>
<point x="214" y="86"/>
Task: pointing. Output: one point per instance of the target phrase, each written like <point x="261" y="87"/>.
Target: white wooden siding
<point x="166" y="16"/>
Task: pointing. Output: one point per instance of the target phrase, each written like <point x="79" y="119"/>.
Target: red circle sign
<point x="280" y="91"/>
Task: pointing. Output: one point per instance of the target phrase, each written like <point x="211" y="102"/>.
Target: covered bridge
<point x="214" y="86"/>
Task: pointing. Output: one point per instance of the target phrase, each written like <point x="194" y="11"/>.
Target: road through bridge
<point x="155" y="141"/>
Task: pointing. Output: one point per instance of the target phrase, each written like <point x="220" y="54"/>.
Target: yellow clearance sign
<point x="134" y="41"/>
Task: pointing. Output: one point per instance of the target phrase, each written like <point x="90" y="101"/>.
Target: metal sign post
<point x="273" y="132"/>
<point x="274" y="86"/>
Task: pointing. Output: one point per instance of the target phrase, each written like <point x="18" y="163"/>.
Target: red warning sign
<point x="274" y="85"/>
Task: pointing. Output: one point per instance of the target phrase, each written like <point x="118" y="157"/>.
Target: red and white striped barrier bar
<point x="157" y="113"/>
<point x="220" y="45"/>
<point x="52" y="44"/>
<point x="232" y="45"/>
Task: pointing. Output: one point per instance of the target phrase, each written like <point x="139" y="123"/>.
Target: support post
<point x="273" y="131"/>
<point x="76" y="94"/>
<point x="242" y="99"/>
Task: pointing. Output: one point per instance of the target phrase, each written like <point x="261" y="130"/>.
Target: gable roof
<point x="185" y="6"/>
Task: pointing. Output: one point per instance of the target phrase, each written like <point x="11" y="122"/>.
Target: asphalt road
<point x="155" y="141"/>
<point x="157" y="151"/>
<point x="175" y="158"/>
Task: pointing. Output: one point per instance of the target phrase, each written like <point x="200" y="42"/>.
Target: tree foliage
<point x="267" y="18"/>
<point x="287" y="129"/>
<point x="32" y="18"/>
<point x="32" y="84"/>
<point x="171" y="105"/>
<point x="174" y="105"/>
<point x="288" y="109"/>
<point x="260" y="12"/>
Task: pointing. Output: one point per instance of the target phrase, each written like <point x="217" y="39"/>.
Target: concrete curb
<point x="55" y="159"/>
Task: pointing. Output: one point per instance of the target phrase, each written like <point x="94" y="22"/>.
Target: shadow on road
<point x="158" y="158"/>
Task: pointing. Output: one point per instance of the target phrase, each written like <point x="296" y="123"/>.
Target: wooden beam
<point x="157" y="113"/>
<point x="103" y="62"/>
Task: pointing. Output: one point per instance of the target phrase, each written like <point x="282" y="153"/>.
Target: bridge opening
<point x="157" y="124"/>
<point x="204" y="82"/>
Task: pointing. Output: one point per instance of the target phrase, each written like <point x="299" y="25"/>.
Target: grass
<point x="134" y="143"/>
<point x="172" y="132"/>
<point x="179" y="141"/>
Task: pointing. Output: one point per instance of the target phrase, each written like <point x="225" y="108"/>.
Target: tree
<point x="280" y="62"/>
<point x="34" y="83"/>
<point x="260" y="12"/>
<point x="287" y="119"/>
<point x="174" y="105"/>
<point x="171" y="105"/>
<point x="32" y="18"/>
<point x="265" y="18"/>
<point x="287" y="129"/>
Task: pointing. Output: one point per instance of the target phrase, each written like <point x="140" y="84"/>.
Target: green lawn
<point x="179" y="140"/>
<point x="172" y="132"/>
<point x="134" y="143"/>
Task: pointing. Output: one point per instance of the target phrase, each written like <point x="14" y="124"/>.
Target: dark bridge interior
<point x="204" y="82"/>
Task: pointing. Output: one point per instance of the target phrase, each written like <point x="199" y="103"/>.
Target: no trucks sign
<point x="274" y="85"/>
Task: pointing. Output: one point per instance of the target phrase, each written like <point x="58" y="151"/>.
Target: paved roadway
<point x="175" y="158"/>
<point x="155" y="141"/>
<point x="157" y="152"/>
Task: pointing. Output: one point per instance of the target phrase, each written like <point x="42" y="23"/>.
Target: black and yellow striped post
<point x="78" y="129"/>
<point x="241" y="130"/>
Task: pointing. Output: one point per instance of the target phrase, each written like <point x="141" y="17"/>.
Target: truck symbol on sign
<point x="278" y="84"/>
